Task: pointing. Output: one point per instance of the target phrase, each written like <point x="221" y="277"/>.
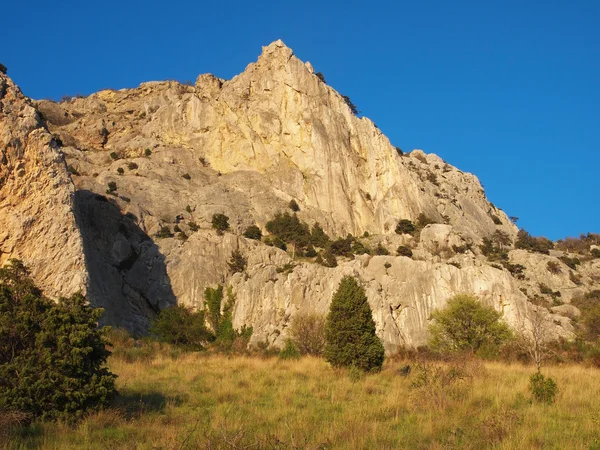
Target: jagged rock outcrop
<point x="37" y="224"/>
<point x="172" y="155"/>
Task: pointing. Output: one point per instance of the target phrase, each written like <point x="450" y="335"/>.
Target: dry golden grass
<point x="213" y="401"/>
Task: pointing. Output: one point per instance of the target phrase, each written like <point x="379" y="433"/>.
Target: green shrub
<point x="176" y="229"/>
<point x="193" y="226"/>
<point x="253" y="232"/>
<point x="310" y="252"/>
<point x="403" y="250"/>
<point x="147" y="152"/>
<point x="496" y="219"/>
<point x="186" y="176"/>
<point x="72" y="170"/>
<point x="289" y="229"/>
<point x="307" y="332"/>
<point x="164" y="232"/>
<point x="3" y="69"/>
<point x="358" y="248"/>
<point x="572" y="263"/>
<point x="275" y="241"/>
<point x="533" y="244"/>
<point x="595" y="252"/>
<point x="543" y="389"/>
<point x="237" y="262"/>
<point x="326" y="259"/>
<point x="341" y="247"/>
<point x="405" y="226"/>
<point x="467" y="325"/>
<point x="179" y="325"/>
<point x="114" y="156"/>
<point x="289" y="351"/>
<point x="120" y="171"/>
<point x="350" y="330"/>
<point x="220" y="222"/>
<point x="132" y="166"/>
<point x="320" y="76"/>
<point x="294" y="205"/>
<point x="220" y="320"/>
<point x="381" y="250"/>
<point x="52" y="355"/>
<point x="188" y="209"/>
<point x="112" y="187"/>
<point x="318" y="237"/>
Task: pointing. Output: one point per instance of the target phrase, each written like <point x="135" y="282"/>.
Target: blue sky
<point x="508" y="90"/>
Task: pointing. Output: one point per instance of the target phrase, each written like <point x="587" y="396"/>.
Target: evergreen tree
<point x="350" y="330"/>
<point x="52" y="355"/>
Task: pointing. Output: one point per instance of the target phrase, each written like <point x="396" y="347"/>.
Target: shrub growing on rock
<point x="220" y="222"/>
<point x="533" y="244"/>
<point x="350" y="330"/>
<point x="237" y="262"/>
<point x="405" y="226"/>
<point x="253" y="232"/>
<point x="52" y="355"/>
<point x="294" y="205"/>
<point x="403" y="250"/>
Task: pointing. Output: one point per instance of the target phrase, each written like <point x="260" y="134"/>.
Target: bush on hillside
<point x="52" y="355"/>
<point x="318" y="237"/>
<point x="307" y="331"/>
<point x="350" y="330"/>
<point x="220" y="223"/>
<point x="403" y="250"/>
<point x="533" y="244"/>
<point x="253" y="232"/>
<point x="220" y="320"/>
<point x="467" y="325"/>
<point x="289" y="229"/>
<point x="237" y="262"/>
<point x="294" y="205"/>
<point x="179" y="325"/>
<point x="405" y="226"/>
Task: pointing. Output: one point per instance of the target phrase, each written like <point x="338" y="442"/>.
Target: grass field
<point x="195" y="400"/>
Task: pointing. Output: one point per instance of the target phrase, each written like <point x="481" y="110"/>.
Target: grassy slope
<point x="203" y="401"/>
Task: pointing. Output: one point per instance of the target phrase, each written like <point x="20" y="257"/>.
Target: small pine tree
<point x="350" y="330"/>
<point x="237" y="262"/>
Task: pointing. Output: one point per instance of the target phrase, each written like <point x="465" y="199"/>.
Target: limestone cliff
<point x="167" y="154"/>
<point x="37" y="223"/>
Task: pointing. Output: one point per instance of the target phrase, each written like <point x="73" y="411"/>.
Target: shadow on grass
<point x="135" y="404"/>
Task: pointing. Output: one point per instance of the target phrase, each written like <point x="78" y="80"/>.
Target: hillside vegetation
<point x="175" y="400"/>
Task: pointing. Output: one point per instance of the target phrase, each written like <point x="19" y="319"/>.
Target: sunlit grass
<point x="196" y="400"/>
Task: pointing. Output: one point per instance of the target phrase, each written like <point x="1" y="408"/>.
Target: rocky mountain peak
<point x="152" y="165"/>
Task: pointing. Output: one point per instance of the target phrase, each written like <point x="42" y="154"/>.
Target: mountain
<point x="167" y="154"/>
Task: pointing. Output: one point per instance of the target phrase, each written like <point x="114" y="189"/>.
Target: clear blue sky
<point x="508" y="90"/>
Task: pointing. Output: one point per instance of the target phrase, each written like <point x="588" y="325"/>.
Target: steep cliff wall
<point x="166" y="154"/>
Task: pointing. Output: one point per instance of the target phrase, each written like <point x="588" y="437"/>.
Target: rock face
<point x="166" y="155"/>
<point x="37" y="223"/>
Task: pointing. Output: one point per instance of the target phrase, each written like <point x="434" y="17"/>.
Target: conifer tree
<point x="350" y="330"/>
